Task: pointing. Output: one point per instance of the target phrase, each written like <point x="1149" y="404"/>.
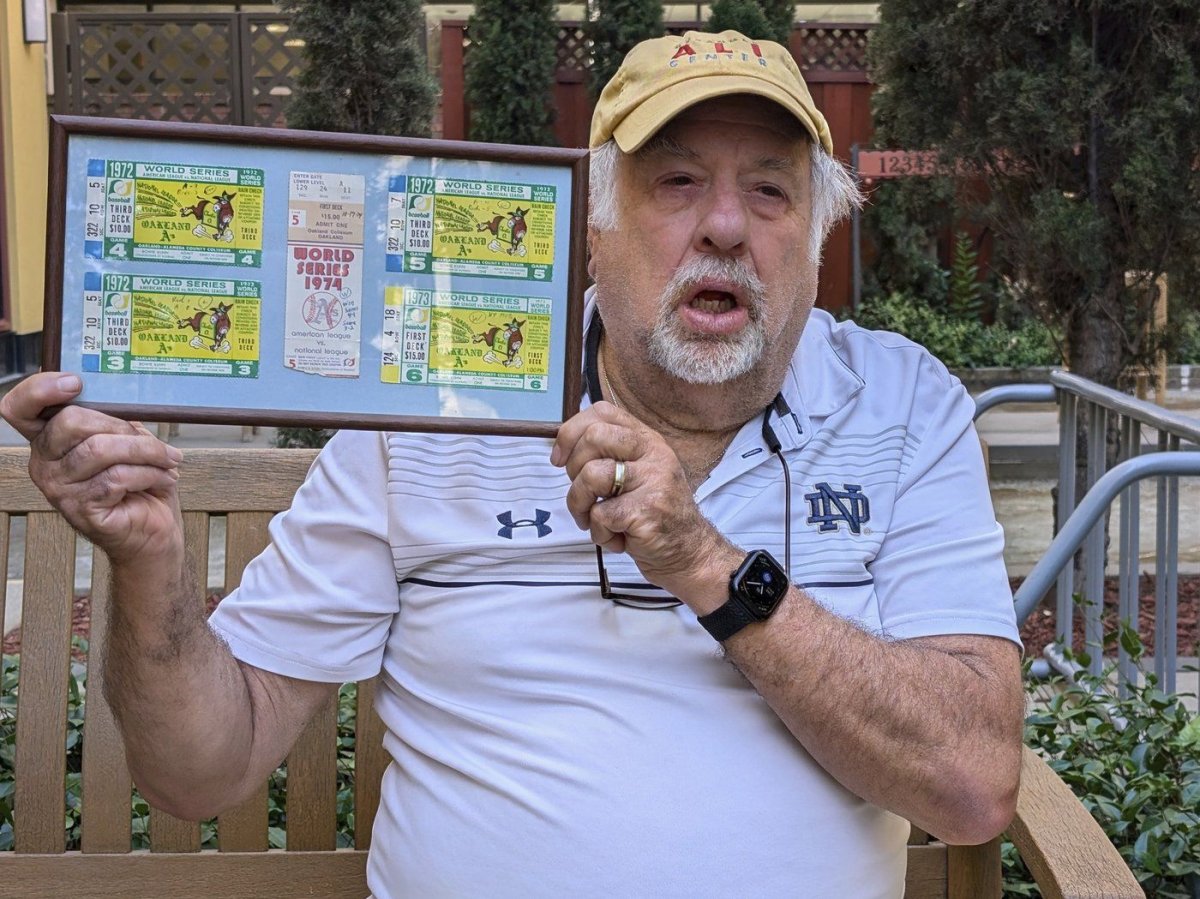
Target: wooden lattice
<point x="574" y="51"/>
<point x="180" y="69"/>
<point x="232" y="68"/>
<point x="272" y="67"/>
<point x="833" y="48"/>
<point x="836" y="48"/>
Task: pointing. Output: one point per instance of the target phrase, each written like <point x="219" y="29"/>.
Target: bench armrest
<point x="1067" y="852"/>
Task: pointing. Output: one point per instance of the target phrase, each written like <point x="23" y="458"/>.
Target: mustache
<point x="722" y="268"/>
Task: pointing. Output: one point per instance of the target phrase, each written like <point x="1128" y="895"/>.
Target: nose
<point x="724" y="221"/>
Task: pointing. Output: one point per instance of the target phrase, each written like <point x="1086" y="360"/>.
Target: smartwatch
<point x="755" y="590"/>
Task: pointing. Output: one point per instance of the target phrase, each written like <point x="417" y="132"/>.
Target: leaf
<point x="1190" y="736"/>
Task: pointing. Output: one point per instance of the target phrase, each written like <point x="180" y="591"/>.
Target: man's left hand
<point x="655" y="518"/>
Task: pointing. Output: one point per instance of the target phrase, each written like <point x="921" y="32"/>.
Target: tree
<point x="365" y="68"/>
<point x="364" y="72"/>
<point x="1079" y="122"/>
<point x="618" y="25"/>
<point x="510" y="71"/>
<point x="743" y="16"/>
<point x="780" y="15"/>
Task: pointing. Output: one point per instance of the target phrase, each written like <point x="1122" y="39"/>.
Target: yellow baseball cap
<point x="660" y="78"/>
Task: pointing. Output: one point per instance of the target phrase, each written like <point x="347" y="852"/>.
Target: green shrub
<point x="1185" y="343"/>
<point x="961" y="342"/>
<point x="1140" y="781"/>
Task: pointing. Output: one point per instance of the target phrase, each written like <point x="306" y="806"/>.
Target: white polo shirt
<point x="547" y="742"/>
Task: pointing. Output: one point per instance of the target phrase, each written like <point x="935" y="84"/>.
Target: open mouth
<point x="714" y="302"/>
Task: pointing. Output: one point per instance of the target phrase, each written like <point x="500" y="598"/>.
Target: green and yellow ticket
<point x="143" y="324"/>
<point x="466" y="339"/>
<point x="164" y="212"/>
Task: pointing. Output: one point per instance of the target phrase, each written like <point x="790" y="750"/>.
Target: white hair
<point x="835" y="193"/>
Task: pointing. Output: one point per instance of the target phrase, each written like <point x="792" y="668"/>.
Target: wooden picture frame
<point x="257" y="276"/>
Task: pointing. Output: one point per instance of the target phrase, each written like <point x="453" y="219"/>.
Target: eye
<point x="678" y="179"/>
<point x="773" y="191"/>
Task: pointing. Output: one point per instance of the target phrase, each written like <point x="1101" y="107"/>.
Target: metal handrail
<point x="1014" y="393"/>
<point x="1086" y="515"/>
<point x="1183" y="426"/>
<point x="1081" y="529"/>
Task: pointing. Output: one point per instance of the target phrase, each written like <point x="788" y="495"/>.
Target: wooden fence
<point x="831" y="56"/>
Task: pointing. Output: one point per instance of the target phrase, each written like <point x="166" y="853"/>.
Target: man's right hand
<point x="113" y="480"/>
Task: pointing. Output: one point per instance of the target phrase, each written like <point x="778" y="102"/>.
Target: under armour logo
<point x="827" y="507"/>
<point x="541" y="516"/>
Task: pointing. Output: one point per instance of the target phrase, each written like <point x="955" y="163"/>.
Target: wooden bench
<point x="1065" y="849"/>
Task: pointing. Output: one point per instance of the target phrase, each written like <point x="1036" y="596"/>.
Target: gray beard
<point x="708" y="359"/>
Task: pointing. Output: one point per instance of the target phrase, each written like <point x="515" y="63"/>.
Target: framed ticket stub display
<point x="264" y="276"/>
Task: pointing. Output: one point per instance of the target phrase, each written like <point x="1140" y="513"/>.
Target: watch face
<point x="762" y="584"/>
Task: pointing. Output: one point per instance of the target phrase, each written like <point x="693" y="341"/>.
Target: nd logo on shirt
<point x="827" y="507"/>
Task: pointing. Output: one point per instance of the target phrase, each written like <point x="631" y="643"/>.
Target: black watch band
<point x="727" y="620"/>
<point x="755" y="590"/>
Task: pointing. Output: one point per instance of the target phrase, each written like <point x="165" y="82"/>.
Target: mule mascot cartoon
<point x="515" y="221"/>
<point x="504" y="342"/>
<point x="216" y="318"/>
<point x="222" y="215"/>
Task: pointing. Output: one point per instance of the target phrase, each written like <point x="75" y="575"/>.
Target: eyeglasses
<point x="665" y="600"/>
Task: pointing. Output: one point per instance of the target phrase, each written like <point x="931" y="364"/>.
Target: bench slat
<point x="107" y="787"/>
<point x="974" y="871"/>
<point x="39" y="804"/>
<point x="191" y="875"/>
<point x="243" y="487"/>
<point x="5" y="525"/>
<point x="244" y="829"/>
<point x="926" y="877"/>
<point x="168" y="833"/>
<point x="312" y="784"/>
<point x="370" y="760"/>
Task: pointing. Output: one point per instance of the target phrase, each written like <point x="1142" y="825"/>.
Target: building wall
<point x="25" y="131"/>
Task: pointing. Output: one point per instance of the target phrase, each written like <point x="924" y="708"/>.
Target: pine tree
<point x="365" y="68"/>
<point x="743" y="16"/>
<point x="510" y="71"/>
<point x="364" y="72"/>
<point x="780" y="15"/>
<point x="1079" y="123"/>
<point x="617" y="27"/>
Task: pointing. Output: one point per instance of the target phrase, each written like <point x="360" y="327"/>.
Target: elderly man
<point x="559" y="728"/>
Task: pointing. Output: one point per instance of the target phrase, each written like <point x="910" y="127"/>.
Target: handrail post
<point x="1065" y="596"/>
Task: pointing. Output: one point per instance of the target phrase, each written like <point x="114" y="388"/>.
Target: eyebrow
<point x="661" y="145"/>
<point x="776" y="163"/>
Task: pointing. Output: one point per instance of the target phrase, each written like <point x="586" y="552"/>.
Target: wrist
<point x="704" y="587"/>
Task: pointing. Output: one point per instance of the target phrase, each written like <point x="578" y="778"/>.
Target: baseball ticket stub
<point x="143" y="324"/>
<point x="452" y="226"/>
<point x="165" y="212"/>
<point x="324" y="275"/>
<point x="466" y="339"/>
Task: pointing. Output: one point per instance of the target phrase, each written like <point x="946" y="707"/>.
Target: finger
<point x="100" y="451"/>
<point x="594" y="482"/>
<point x="604" y="440"/>
<point x="25" y="406"/>
<point x="72" y="426"/>
<point x="109" y="489"/>
<point x="573" y="428"/>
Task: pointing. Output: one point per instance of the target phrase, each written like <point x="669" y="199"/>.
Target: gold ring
<point x="618" y="480"/>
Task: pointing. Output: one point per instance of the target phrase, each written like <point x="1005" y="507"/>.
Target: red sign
<point x="873" y="164"/>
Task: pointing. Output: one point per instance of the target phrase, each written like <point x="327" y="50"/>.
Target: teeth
<point x="713" y="305"/>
